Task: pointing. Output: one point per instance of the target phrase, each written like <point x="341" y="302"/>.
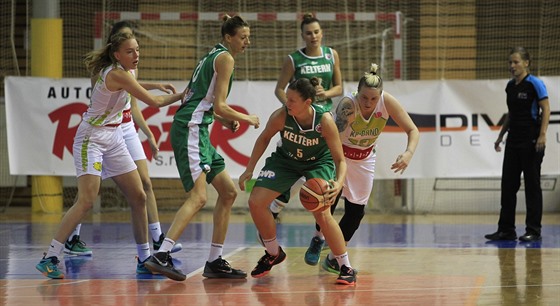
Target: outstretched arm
<point x="403" y="120"/>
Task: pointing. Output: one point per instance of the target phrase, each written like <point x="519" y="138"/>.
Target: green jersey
<point x="197" y="108"/>
<point x="315" y="66"/>
<point x="301" y="144"/>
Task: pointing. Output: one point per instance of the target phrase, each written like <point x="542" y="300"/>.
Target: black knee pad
<point x="353" y="214"/>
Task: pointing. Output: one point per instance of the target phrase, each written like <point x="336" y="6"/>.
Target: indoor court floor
<point x="401" y="259"/>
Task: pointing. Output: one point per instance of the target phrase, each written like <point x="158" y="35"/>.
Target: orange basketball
<point x="312" y="193"/>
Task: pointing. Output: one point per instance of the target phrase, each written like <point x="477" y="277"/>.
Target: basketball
<point x="312" y="193"/>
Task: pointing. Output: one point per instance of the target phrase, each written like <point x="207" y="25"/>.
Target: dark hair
<point x="522" y="53"/>
<point x="307" y="19"/>
<point x="305" y="87"/>
<point x="118" y="26"/>
<point x="371" y="79"/>
<point x="231" y="24"/>
<point x="99" y="59"/>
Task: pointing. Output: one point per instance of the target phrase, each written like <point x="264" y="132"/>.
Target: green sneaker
<point x="313" y="253"/>
<point x="330" y="265"/>
<point x="49" y="267"/>
<point x="76" y="247"/>
<point x="157" y="244"/>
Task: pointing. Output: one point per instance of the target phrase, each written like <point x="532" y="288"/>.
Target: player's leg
<point x="216" y="266"/>
<point x="266" y="189"/>
<point x="266" y="228"/>
<point x="154" y="225"/>
<point x="335" y="239"/>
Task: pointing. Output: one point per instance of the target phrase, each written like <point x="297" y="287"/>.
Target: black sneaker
<point x="220" y="268"/>
<point x="266" y="262"/>
<point x="501" y="236"/>
<point x="347" y="276"/>
<point x="162" y="263"/>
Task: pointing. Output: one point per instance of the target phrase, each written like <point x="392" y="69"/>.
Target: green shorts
<point x="280" y="173"/>
<point x="194" y="154"/>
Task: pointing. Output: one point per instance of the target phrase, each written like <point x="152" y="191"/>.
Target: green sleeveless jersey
<point x="197" y="108"/>
<point x="303" y="144"/>
<point x="315" y="66"/>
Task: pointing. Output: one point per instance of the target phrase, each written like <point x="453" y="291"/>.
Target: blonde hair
<point x="104" y="57"/>
<point x="371" y="79"/>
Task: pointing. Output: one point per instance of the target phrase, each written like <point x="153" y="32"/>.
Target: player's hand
<point x="402" y="162"/>
<point x="245" y="176"/>
<point x="332" y="192"/>
<point x="167" y="88"/>
<point x="254" y="121"/>
<point x="153" y="145"/>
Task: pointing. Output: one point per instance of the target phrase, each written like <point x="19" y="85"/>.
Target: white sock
<point x="76" y="232"/>
<point x="55" y="249"/>
<point x="215" y="251"/>
<point x="167" y="245"/>
<point x="143" y="251"/>
<point x="272" y="246"/>
<point x="320" y="235"/>
<point x="155" y="230"/>
<point x="343" y="260"/>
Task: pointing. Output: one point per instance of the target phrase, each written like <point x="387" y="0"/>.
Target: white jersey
<point x="358" y="143"/>
<point x="106" y="107"/>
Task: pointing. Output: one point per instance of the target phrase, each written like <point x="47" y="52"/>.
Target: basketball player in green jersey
<point x="314" y="60"/>
<point x="310" y="147"/>
<point x="197" y="160"/>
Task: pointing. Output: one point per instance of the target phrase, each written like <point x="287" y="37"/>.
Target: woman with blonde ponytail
<point x="360" y="118"/>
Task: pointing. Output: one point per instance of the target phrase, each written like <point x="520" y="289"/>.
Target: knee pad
<point x="353" y="214"/>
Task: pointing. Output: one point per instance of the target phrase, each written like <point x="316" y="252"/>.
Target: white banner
<point x="458" y="120"/>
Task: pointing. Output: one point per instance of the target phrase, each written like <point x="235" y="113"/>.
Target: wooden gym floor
<point x="402" y="260"/>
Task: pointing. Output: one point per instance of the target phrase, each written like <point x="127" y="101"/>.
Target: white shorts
<point x="132" y="140"/>
<point x="101" y="151"/>
<point x="359" y="179"/>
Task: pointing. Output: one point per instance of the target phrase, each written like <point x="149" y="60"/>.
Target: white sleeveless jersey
<point x="106" y="107"/>
<point x="362" y="133"/>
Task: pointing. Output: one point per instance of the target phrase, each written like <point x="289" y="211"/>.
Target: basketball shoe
<point x="76" y="247"/>
<point x="161" y="262"/>
<point x="220" y="268"/>
<point x="330" y="265"/>
<point x="267" y="262"/>
<point x="49" y="267"/>
<point x="347" y="276"/>
<point x="313" y="253"/>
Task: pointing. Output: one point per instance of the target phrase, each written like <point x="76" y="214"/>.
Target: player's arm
<point x="143" y="125"/>
<point x="224" y="68"/>
<point x="286" y="74"/>
<point x="274" y="125"/>
<point x="330" y="133"/>
<point x="336" y="88"/>
<point x="403" y="120"/>
<point x="119" y="79"/>
<point x="344" y="113"/>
